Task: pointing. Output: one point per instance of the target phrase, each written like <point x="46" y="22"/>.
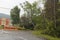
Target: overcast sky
<point x="7" y="5"/>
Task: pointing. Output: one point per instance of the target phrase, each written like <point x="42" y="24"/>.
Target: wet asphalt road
<point x="17" y="35"/>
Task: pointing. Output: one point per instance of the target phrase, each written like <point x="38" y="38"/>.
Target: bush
<point x="51" y="30"/>
<point x="29" y="26"/>
<point x="38" y="27"/>
<point x="1" y="26"/>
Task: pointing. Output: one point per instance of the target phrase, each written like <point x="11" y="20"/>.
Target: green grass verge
<point x="1" y="27"/>
<point x="38" y="33"/>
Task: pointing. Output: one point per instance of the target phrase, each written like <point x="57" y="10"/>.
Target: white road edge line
<point x="22" y="38"/>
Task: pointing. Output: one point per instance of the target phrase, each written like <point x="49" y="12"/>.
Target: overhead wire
<point x="5" y="8"/>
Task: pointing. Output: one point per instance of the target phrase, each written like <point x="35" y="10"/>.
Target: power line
<point x="5" y="8"/>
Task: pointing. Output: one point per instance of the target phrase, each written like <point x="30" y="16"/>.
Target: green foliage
<point x="1" y="26"/>
<point x="49" y="28"/>
<point x="38" y="27"/>
<point x="15" y="17"/>
<point x="32" y="14"/>
<point x="26" y="23"/>
<point x="49" y="22"/>
<point x="52" y="18"/>
<point x="39" y="22"/>
<point x="47" y="37"/>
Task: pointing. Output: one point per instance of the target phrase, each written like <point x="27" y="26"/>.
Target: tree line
<point x="47" y="20"/>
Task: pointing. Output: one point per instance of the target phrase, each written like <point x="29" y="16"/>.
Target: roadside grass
<point x="48" y="37"/>
<point x="1" y="27"/>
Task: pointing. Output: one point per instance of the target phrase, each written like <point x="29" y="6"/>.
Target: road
<point x="17" y="35"/>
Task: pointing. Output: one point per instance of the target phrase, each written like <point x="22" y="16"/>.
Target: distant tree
<point x="32" y="11"/>
<point x="15" y="15"/>
<point x="52" y="17"/>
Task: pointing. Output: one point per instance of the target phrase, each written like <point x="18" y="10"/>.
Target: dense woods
<point x="48" y="20"/>
<point x="52" y="17"/>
